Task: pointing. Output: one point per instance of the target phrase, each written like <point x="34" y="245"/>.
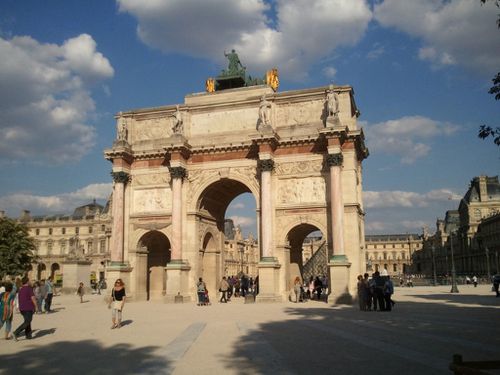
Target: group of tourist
<point x="314" y="289"/>
<point x="237" y="286"/>
<point x="375" y="293"/>
<point x="28" y="299"/>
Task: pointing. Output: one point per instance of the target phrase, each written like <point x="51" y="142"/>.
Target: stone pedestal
<point x="269" y="270"/>
<point x="177" y="277"/>
<point x="339" y="280"/>
<point x="140" y="275"/>
<point x="76" y="271"/>
<point x="119" y="270"/>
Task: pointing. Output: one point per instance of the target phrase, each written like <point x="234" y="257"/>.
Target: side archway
<point x="210" y="264"/>
<point x="158" y="255"/>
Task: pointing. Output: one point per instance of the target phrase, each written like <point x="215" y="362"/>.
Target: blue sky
<point x="420" y="70"/>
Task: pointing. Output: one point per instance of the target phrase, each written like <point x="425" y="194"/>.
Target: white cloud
<point x="45" y="99"/>
<point x="303" y="32"/>
<point x="237" y="206"/>
<point x="405" y="136"/>
<point x="243" y="221"/>
<point x="407" y="199"/>
<point x="329" y="72"/>
<point x="63" y="203"/>
<point x="452" y="32"/>
<point x="375" y="52"/>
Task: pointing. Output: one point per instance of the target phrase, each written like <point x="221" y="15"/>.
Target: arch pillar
<point x="177" y="270"/>
<point x="269" y="266"/>
<point x="338" y="264"/>
<point x="117" y="267"/>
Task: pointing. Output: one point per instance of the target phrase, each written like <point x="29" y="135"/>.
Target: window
<point x="62" y="245"/>
<point x="91" y="229"/>
<point x="37" y="232"/>
<point x="50" y="231"/>
<point x="63" y="230"/>
<point x="89" y="246"/>
<point x="395" y="267"/>
<point x="102" y="246"/>
<point x="103" y="228"/>
<point x="393" y="246"/>
<point x="77" y="230"/>
<point x="385" y="256"/>
<point x="49" y="246"/>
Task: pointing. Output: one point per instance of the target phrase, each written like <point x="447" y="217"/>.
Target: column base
<point x="177" y="279"/>
<point x="76" y="271"/>
<point x="268" y="281"/>
<point x="339" y="281"/>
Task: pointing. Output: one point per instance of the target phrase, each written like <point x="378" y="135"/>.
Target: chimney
<point x="483" y="190"/>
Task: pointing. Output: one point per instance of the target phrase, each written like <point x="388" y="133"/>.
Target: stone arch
<point x="197" y="191"/>
<point x="296" y="234"/>
<point x="54" y="269"/>
<point x="158" y="248"/>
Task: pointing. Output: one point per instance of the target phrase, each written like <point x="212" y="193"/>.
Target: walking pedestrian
<point x="474" y="281"/>
<point x="388" y="292"/>
<point x="80" y="291"/>
<point x="496" y="284"/>
<point x="318" y="287"/>
<point x="224" y="286"/>
<point x="50" y="294"/>
<point x="27" y="307"/>
<point x="37" y="291"/>
<point x="200" y="288"/>
<point x="7" y="308"/>
<point x="296" y="288"/>
<point x="117" y="302"/>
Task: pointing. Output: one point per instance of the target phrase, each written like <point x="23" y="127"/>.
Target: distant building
<point x="473" y="231"/>
<point x="392" y="252"/>
<point x="86" y="232"/>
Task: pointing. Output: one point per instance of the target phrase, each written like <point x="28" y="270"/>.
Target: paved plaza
<point x="427" y="326"/>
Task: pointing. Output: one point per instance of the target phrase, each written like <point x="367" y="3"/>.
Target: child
<point x="80" y="292"/>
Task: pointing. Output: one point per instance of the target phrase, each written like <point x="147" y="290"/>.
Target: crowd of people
<point x="237" y="286"/>
<point x="315" y="288"/>
<point x="375" y="293"/>
<point x="28" y="299"/>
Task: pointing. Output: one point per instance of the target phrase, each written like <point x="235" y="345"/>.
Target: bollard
<point x="249" y="298"/>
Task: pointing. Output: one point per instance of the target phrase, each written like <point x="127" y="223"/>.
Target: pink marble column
<point x="117" y="239"/>
<point x="266" y="166"/>
<point x="334" y="161"/>
<point x="177" y="174"/>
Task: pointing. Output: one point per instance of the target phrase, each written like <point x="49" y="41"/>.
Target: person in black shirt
<point x="117" y="302"/>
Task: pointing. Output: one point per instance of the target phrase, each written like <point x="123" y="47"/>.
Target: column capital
<point x="121" y="177"/>
<point x="265" y="165"/>
<point x="334" y="160"/>
<point x="177" y="172"/>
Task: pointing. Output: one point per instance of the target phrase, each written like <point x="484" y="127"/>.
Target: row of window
<point x="77" y="230"/>
<point x="384" y="255"/>
<point x="385" y="246"/>
<point x="62" y="246"/>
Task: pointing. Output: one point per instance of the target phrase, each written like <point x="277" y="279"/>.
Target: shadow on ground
<point x="415" y="338"/>
<point x="84" y="357"/>
<point x="463" y="298"/>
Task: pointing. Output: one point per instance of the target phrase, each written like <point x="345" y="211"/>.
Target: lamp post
<point x="454" y="288"/>
<point x="487" y="263"/>
<point x="434" y="265"/>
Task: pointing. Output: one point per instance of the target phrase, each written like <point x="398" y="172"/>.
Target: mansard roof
<point x="391" y="237"/>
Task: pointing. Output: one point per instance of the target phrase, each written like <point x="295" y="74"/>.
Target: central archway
<point x="212" y="206"/>
<point x="158" y="247"/>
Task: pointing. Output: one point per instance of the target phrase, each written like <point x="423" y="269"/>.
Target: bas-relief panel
<point x="303" y="190"/>
<point x="224" y="121"/>
<point x="152" y="200"/>
<point x="150" y="129"/>
<point x="299" y="167"/>
<point x="151" y="179"/>
<point x="299" y="113"/>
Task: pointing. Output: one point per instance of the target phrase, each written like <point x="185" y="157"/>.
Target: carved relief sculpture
<point x="121" y="129"/>
<point x="264" y="112"/>
<point x="178" y="127"/>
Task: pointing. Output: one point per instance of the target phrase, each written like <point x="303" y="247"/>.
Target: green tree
<point x="16" y="248"/>
<point x="484" y="130"/>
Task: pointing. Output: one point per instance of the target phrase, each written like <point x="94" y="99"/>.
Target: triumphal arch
<point x="176" y="169"/>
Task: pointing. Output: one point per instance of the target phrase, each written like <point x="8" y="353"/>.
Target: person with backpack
<point x="388" y="292"/>
<point x="200" y="288"/>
